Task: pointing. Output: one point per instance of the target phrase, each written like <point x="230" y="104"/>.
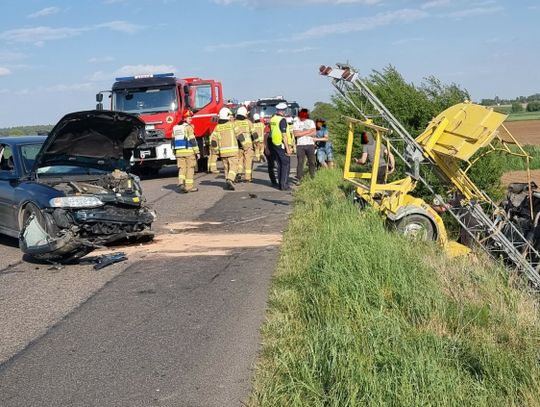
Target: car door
<point x="8" y="182"/>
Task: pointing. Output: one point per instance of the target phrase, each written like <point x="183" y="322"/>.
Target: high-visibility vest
<point x="258" y="132"/>
<point x="185" y="143"/>
<point x="243" y="129"/>
<point x="275" y="131"/>
<point x="226" y="139"/>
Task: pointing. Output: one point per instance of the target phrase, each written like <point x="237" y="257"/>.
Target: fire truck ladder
<point x="496" y="234"/>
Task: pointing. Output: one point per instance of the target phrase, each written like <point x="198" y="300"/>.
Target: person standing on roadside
<point x="224" y="140"/>
<point x="258" y="138"/>
<point x="186" y="151"/>
<point x="243" y="129"/>
<point x="304" y="132"/>
<point x="280" y="146"/>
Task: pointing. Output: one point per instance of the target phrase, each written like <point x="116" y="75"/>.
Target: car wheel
<point x="29" y="211"/>
<point x="37" y="230"/>
<point x="416" y="226"/>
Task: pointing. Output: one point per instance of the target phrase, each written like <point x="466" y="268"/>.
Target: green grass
<point x="359" y="316"/>
<point x="523" y="116"/>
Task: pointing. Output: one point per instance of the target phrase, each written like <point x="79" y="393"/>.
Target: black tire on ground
<point x="416" y="226"/>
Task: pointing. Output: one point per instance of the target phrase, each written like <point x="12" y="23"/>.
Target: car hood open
<point x="95" y="139"/>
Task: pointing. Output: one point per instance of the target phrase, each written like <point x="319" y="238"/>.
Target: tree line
<point x="26" y="130"/>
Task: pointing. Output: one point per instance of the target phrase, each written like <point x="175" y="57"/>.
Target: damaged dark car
<point x="71" y="192"/>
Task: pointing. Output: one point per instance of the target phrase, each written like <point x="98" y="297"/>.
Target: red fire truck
<point x="266" y="108"/>
<point x="160" y="100"/>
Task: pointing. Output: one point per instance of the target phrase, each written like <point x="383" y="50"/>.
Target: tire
<point x="416" y="226"/>
<point x="31" y="210"/>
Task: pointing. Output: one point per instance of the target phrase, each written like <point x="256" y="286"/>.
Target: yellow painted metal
<point x="461" y="130"/>
<point x="388" y="198"/>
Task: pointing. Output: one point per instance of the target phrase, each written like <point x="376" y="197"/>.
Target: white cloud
<point x="295" y="50"/>
<point x="100" y="60"/>
<point x="359" y="24"/>
<point x="11" y="56"/>
<point x="474" y="12"/>
<point x="277" y="3"/>
<point x="362" y="24"/>
<point x="4" y="71"/>
<point x="100" y="76"/>
<point x="76" y="87"/>
<point x="435" y="3"/>
<point x="121" y="26"/>
<point x="40" y="35"/>
<point x="44" y="12"/>
<point x="129" y="70"/>
<point x="408" y="41"/>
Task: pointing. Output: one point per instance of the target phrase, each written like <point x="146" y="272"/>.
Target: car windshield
<point x="145" y="100"/>
<point x="266" y="111"/>
<point x="28" y="155"/>
<point x="69" y="170"/>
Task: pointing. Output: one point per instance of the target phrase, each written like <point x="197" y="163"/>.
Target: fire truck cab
<point x="161" y="100"/>
<point x="266" y="108"/>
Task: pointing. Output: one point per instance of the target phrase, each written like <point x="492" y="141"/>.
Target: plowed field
<point x="525" y="132"/>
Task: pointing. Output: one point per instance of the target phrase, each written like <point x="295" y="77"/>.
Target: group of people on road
<point x="239" y="142"/>
<point x="300" y="136"/>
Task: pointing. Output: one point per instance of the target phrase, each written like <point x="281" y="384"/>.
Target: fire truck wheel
<point x="416" y="226"/>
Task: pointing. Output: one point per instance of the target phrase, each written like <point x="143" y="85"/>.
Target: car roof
<point x="15" y="140"/>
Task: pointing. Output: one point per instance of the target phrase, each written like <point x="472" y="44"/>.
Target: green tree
<point x="517" y="107"/>
<point x="533" y="106"/>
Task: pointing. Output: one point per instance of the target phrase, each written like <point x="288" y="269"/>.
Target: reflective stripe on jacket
<point x="226" y="139"/>
<point x="243" y="129"/>
<point x="258" y="132"/>
<point x="185" y="143"/>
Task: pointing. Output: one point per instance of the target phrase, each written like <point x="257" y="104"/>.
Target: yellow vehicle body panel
<point x="461" y="130"/>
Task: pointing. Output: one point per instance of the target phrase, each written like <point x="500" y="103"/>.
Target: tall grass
<point x="361" y="316"/>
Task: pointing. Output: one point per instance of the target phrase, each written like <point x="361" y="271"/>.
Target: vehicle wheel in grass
<point x="416" y="226"/>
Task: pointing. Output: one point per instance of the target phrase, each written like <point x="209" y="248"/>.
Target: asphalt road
<point x="175" y="325"/>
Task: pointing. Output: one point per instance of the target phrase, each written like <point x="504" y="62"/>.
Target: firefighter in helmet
<point x="223" y="139"/>
<point x="187" y="152"/>
<point x="258" y="138"/>
<point x="243" y="128"/>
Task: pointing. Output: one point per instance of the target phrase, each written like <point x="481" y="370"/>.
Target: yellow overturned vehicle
<point x="447" y="149"/>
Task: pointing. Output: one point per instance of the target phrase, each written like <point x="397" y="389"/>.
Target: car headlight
<point x="79" y="201"/>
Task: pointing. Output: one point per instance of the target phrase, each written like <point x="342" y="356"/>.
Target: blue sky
<point x="55" y="55"/>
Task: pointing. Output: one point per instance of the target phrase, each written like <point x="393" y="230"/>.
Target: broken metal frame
<point x="495" y="234"/>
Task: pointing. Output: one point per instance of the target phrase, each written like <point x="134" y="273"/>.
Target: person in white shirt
<point x="304" y="131"/>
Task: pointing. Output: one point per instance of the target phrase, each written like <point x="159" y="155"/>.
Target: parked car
<point x="66" y="194"/>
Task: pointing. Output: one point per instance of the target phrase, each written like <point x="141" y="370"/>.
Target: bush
<point x="517" y="107"/>
<point x="533" y="106"/>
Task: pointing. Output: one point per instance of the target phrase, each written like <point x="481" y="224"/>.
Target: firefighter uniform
<point x="186" y="151"/>
<point x="243" y="128"/>
<point x="213" y="156"/>
<point x="224" y="140"/>
<point x="258" y="140"/>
